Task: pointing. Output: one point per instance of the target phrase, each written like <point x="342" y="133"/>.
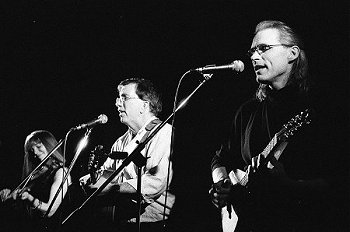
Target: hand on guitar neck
<point x="260" y="166"/>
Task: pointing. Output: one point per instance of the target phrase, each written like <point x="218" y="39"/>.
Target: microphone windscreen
<point x="103" y="118"/>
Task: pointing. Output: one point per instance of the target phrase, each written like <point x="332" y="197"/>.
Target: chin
<point x="262" y="80"/>
<point x="123" y="120"/>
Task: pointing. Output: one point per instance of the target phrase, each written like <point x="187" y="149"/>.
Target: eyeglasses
<point x="123" y="99"/>
<point x="261" y="48"/>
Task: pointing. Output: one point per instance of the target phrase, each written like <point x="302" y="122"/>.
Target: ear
<point x="293" y="53"/>
<point x="145" y="107"/>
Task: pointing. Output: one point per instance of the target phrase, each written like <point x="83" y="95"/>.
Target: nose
<point x="117" y="102"/>
<point x="35" y="150"/>
<point x="255" y="55"/>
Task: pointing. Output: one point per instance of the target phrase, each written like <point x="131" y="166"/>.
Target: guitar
<point x="275" y="147"/>
<point x="96" y="159"/>
<point x="107" y="206"/>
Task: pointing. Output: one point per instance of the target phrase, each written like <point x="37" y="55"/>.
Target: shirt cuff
<point x="132" y="182"/>
<point x="219" y="174"/>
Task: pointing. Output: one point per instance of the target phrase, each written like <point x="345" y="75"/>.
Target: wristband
<point x="37" y="206"/>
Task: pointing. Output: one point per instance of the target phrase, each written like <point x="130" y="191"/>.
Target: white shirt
<point x="154" y="173"/>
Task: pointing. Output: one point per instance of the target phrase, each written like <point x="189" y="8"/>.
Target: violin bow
<point x="27" y="179"/>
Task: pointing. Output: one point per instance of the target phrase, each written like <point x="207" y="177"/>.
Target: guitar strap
<point x="111" y="211"/>
<point x="149" y="127"/>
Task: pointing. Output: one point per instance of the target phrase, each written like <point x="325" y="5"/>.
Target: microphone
<point x="102" y="119"/>
<point x="236" y="65"/>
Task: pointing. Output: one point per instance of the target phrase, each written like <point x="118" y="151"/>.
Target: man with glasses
<point x="283" y="186"/>
<point x="138" y="104"/>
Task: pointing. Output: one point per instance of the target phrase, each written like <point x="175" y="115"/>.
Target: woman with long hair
<point x="37" y="195"/>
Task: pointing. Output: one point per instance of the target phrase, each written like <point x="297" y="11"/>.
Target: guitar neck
<point x="272" y="144"/>
<point x="241" y="177"/>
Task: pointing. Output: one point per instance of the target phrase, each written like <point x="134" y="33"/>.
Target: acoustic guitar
<point x="274" y="148"/>
<point x="108" y="206"/>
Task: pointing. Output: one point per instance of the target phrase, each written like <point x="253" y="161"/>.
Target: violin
<point x="40" y="171"/>
<point x="50" y="164"/>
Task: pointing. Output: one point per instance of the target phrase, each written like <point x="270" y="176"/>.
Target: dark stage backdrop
<point x="62" y="60"/>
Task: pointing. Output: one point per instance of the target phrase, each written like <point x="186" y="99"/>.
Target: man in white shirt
<point x="138" y="105"/>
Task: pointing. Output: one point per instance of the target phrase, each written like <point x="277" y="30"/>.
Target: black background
<point x="62" y="60"/>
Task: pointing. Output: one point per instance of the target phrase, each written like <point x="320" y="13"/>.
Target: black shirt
<point x="270" y="206"/>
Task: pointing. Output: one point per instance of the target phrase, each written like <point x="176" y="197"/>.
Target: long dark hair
<point x="38" y="136"/>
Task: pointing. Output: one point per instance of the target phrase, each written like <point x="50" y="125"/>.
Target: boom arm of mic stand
<point x="133" y="154"/>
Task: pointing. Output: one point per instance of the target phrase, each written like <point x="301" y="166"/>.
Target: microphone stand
<point x="136" y="157"/>
<point x="87" y="133"/>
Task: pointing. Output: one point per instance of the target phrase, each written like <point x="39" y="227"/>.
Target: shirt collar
<point x="143" y="128"/>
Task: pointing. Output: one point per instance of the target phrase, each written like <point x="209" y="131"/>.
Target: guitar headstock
<point x="293" y="125"/>
<point x="96" y="158"/>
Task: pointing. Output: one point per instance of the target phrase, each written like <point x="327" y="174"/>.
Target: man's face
<point x="129" y="105"/>
<point x="271" y="66"/>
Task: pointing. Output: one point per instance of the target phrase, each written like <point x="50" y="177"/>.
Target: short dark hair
<point x="146" y="91"/>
